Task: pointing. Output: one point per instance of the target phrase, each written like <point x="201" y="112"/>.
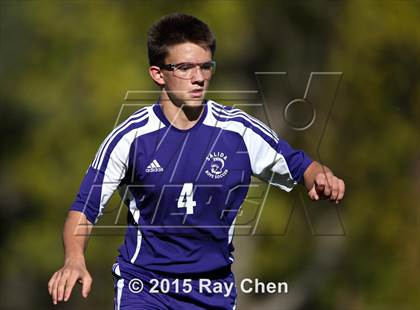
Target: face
<point x="189" y="92"/>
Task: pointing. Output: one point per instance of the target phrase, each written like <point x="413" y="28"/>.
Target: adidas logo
<point x="154" y="167"/>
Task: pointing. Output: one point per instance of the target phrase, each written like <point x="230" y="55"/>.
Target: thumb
<point x="86" y="282"/>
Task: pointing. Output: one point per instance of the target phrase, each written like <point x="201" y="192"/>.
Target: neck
<point x="180" y="116"/>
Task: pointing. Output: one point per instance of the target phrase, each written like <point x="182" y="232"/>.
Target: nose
<point x="197" y="75"/>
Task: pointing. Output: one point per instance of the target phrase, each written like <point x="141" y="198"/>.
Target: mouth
<point x="197" y="93"/>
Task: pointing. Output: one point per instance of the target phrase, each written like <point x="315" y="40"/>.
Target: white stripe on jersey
<point x="118" y="159"/>
<point x="136" y="114"/>
<point x="266" y="163"/>
<point x="138" y="246"/>
<point x="231" y="230"/>
<point x="235" y="111"/>
<point x="135" y="211"/>
<point x="102" y="149"/>
<point x="238" y="113"/>
<point x="120" y="286"/>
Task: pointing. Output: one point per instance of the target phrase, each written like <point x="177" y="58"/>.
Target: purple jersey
<point x="184" y="188"/>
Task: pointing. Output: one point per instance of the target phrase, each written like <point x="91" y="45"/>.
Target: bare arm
<point x="322" y="183"/>
<point x="75" y="236"/>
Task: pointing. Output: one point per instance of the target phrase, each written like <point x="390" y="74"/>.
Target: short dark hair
<point x="174" y="29"/>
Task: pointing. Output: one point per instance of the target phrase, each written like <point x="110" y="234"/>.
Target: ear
<point x="157" y="75"/>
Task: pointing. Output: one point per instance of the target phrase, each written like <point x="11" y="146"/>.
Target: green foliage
<point x="65" y="67"/>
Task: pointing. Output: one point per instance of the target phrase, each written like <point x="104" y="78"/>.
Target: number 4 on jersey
<point x="185" y="199"/>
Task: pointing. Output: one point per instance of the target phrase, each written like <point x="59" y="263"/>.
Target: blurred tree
<point x="65" y="67"/>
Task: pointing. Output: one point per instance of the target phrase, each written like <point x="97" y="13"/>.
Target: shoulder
<point x="234" y="118"/>
<point x="136" y="120"/>
<point x="140" y="122"/>
<point x="122" y="136"/>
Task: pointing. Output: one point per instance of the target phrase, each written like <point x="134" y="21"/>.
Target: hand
<point x="62" y="282"/>
<point x="327" y="186"/>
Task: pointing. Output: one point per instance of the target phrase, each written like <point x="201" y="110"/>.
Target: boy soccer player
<point x="186" y="164"/>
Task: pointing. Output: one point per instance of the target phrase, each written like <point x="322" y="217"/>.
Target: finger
<point x="71" y="281"/>
<point x="320" y="179"/>
<point x="51" y="282"/>
<point x="55" y="286"/>
<point x="62" y="285"/>
<point x="341" y="191"/>
<point x="313" y="194"/>
<point x="334" y="189"/>
<point x="327" y="189"/>
<point x="87" y="284"/>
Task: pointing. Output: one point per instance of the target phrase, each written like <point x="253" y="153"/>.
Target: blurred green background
<point x="65" y="68"/>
